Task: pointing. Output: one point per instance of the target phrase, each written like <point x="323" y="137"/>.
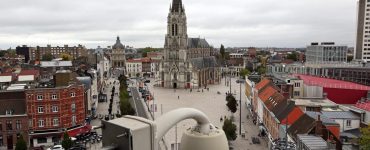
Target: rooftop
<point x="315" y="102"/>
<point x="313" y="142"/>
<point x="340" y="115"/>
<point x="56" y="63"/>
<point x="331" y="83"/>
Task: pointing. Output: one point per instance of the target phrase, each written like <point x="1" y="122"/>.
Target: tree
<point x="349" y="58"/>
<point x="137" y="74"/>
<point x="66" y="57"/>
<point x="293" y="56"/>
<point x="21" y="144"/>
<point x="261" y="70"/>
<point x="47" y="57"/>
<point x="365" y="138"/>
<point x="229" y="129"/>
<point x="244" y="72"/>
<point x="67" y="142"/>
<point x="231" y="103"/>
<point x="222" y="52"/>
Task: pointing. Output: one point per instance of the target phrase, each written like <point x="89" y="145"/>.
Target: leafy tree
<point x="67" y="142"/>
<point x="293" y="56"/>
<point x="21" y="144"/>
<point x="125" y="106"/>
<point x="229" y="129"/>
<point x="137" y="74"/>
<point x="244" y="72"/>
<point x="261" y="70"/>
<point x="66" y="57"/>
<point x="349" y="58"/>
<point x="222" y="51"/>
<point x="2" y="53"/>
<point x="365" y="138"/>
<point x="231" y="103"/>
<point x="47" y="57"/>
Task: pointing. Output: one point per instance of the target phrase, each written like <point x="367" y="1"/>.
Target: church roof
<point x="176" y="5"/>
<point x="197" y="43"/>
<point x="204" y="62"/>
<point x="118" y="44"/>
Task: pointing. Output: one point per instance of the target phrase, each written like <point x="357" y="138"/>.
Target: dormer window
<point x="39" y="97"/>
<point x="9" y="112"/>
<point x="73" y="94"/>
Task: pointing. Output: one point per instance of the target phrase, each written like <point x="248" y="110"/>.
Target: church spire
<point x="176" y="6"/>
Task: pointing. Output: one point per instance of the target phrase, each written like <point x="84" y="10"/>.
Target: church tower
<point x="176" y="37"/>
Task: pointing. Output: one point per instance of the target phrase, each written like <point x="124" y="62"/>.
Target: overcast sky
<point x="142" y="23"/>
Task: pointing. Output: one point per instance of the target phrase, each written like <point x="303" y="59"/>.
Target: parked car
<point x="147" y="81"/>
<point x="56" y="147"/>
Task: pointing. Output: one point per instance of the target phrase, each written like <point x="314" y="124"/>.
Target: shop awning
<point x="79" y="130"/>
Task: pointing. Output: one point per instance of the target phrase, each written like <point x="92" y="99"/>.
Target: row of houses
<point x="295" y="112"/>
<point x="43" y="102"/>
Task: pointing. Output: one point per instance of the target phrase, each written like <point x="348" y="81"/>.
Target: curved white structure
<point x="170" y="119"/>
<point x="203" y="136"/>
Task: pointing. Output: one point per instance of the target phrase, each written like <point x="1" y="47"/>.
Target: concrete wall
<point x="343" y="127"/>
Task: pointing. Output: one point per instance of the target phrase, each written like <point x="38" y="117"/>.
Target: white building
<point x="326" y="52"/>
<point x="362" y="49"/>
<point x="346" y="119"/>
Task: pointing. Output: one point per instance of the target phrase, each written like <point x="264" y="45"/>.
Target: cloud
<point x="141" y="23"/>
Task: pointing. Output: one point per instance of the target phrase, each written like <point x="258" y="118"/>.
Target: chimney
<point x="318" y="129"/>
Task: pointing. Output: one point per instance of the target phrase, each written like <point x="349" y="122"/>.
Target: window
<point x="40" y="109"/>
<point x="18" y="125"/>
<point x="54" y="97"/>
<point x="30" y="124"/>
<point x="41" y="140"/>
<point x="41" y="123"/>
<point x="55" y="122"/>
<point x="9" y="125"/>
<point x="74" y="120"/>
<point x="9" y="112"/>
<point x="54" y="108"/>
<point x="296" y="93"/>
<point x="73" y="94"/>
<point x="348" y="123"/>
<point x="1" y="126"/>
<point x="39" y="97"/>
<point x="73" y="107"/>
<point x="297" y="84"/>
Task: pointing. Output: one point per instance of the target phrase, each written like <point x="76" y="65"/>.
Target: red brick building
<point x="54" y="110"/>
<point x="13" y="118"/>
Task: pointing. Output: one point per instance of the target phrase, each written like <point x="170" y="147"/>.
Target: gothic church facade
<point x="187" y="62"/>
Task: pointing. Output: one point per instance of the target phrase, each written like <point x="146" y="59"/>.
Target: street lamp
<point x="240" y="81"/>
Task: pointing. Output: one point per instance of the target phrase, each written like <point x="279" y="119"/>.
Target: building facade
<point x="362" y="49"/>
<point x="54" y="110"/>
<point x="75" y="51"/>
<point x="13" y="118"/>
<point x="186" y="63"/>
<point x="118" y="57"/>
<point x="326" y="52"/>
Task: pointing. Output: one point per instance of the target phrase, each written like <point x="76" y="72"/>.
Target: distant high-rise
<point x="362" y="51"/>
<point x="326" y="52"/>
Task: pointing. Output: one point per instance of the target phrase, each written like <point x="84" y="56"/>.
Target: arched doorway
<point x="174" y="85"/>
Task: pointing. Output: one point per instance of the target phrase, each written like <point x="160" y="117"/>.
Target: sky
<point x="142" y="23"/>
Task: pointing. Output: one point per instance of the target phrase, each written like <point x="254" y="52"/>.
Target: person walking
<point x="178" y="97"/>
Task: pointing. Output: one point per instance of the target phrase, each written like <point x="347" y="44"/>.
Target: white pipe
<point x="170" y="119"/>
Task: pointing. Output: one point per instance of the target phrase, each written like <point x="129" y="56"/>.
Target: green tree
<point x="21" y="144"/>
<point x="66" y="57"/>
<point x="137" y="74"/>
<point x="365" y="138"/>
<point x="229" y="129"/>
<point x="231" y="103"/>
<point x="349" y="58"/>
<point x="293" y="56"/>
<point x="125" y="105"/>
<point x="222" y="52"/>
<point x="2" y="53"/>
<point x="47" y="57"/>
<point x="67" y="142"/>
<point x="261" y="70"/>
<point x="244" y="72"/>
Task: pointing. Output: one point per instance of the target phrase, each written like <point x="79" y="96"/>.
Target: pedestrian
<point x="178" y="97"/>
<point x="202" y="90"/>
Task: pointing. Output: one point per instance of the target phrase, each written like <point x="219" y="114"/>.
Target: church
<point x="187" y="62"/>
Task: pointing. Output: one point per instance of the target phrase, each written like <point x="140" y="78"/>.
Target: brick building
<point x="75" y="51"/>
<point x="53" y="110"/>
<point x="13" y="118"/>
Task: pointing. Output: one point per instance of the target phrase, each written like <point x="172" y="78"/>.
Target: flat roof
<point x="331" y="83"/>
<point x="313" y="142"/>
<point x="314" y="102"/>
<point x="5" y="78"/>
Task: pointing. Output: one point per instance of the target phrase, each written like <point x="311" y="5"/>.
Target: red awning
<point x="79" y="130"/>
